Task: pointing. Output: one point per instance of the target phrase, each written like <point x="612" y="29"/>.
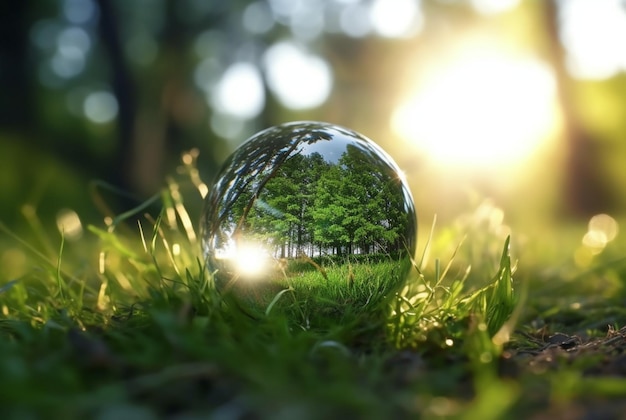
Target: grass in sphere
<point x="125" y="322"/>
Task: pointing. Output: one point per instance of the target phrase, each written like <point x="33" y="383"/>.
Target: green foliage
<point x="138" y="330"/>
<point x="439" y="307"/>
<point x="336" y="207"/>
<point x="141" y="330"/>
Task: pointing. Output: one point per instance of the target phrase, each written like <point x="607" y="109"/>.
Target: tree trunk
<point x="124" y="92"/>
<point x="585" y="191"/>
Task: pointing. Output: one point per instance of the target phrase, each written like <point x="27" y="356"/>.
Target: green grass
<point x="126" y="323"/>
<point x="316" y="297"/>
<point x="357" y="284"/>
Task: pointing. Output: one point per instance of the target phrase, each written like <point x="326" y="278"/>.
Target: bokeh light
<point x="594" y="34"/>
<point x="73" y="38"/>
<point x="257" y="18"/>
<point x="100" y="107"/>
<point x="69" y="224"/>
<point x="79" y="11"/>
<point x="240" y="91"/>
<point x="306" y="20"/>
<point x="354" y="20"/>
<point x="396" y="18"/>
<point x="227" y="126"/>
<point x="602" y="230"/>
<point x="299" y="79"/>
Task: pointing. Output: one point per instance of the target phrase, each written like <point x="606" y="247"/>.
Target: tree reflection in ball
<point x="312" y="208"/>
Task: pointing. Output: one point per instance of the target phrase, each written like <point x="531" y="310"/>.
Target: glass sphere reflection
<point x="310" y="207"/>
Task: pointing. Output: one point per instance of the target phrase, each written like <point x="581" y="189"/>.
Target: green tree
<point x="314" y="167"/>
<point x="330" y="211"/>
<point x="304" y="204"/>
<point x="283" y="209"/>
<point x="376" y="217"/>
<point x="285" y="199"/>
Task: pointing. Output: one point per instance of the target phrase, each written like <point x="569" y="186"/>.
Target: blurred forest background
<point x="520" y="101"/>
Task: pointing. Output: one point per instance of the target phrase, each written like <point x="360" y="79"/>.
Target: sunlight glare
<point x="249" y="259"/>
<point x="484" y="108"/>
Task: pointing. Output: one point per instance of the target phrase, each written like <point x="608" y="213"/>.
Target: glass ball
<point x="311" y="217"/>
